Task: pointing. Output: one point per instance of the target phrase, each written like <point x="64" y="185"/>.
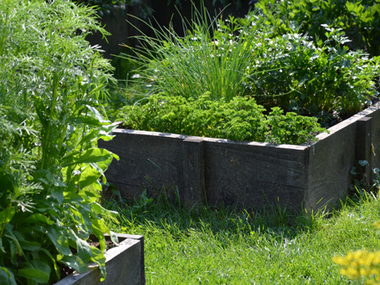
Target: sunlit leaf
<point x="87" y="156"/>
<point x="88" y="176"/>
<point x="58" y="238"/>
<point x="74" y="262"/>
<point x="84" y="250"/>
<point x="99" y="258"/>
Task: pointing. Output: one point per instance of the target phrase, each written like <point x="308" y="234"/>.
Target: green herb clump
<point x="240" y="119"/>
<point x="359" y="20"/>
<point x="295" y="73"/>
<point x="211" y="57"/>
<point x="50" y="165"/>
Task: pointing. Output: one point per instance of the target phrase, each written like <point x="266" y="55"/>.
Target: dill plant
<point x="50" y="165"/>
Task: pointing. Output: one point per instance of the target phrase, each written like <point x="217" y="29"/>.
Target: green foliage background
<point x="250" y="57"/>
<point x="360" y="20"/>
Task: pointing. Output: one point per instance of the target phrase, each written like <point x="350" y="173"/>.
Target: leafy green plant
<point x="291" y="128"/>
<point x="358" y="19"/>
<point x="241" y="119"/>
<point x="239" y="57"/>
<point x="50" y="164"/>
<point x="322" y="79"/>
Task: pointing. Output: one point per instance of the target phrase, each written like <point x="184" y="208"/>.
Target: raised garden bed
<point x="124" y="265"/>
<point x="246" y="174"/>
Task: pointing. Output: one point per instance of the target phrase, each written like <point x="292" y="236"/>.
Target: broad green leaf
<point x="58" y="195"/>
<point x="30" y="245"/>
<point x="13" y="255"/>
<point x="97" y="186"/>
<point x="75" y="262"/>
<point x="96" y="113"/>
<point x="106" y="138"/>
<point x="85" y="211"/>
<point x="86" y="121"/>
<point x="39" y="229"/>
<point x="99" y="258"/>
<point x="7" y="277"/>
<point x="40" y="265"/>
<point x="91" y="136"/>
<point x="88" y="176"/>
<point x="34" y="274"/>
<point x="101" y="170"/>
<point x="99" y="209"/>
<point x="72" y="197"/>
<point x="99" y="234"/>
<point x="52" y="259"/>
<point x="58" y="238"/>
<point x="35" y="218"/>
<point x="87" y="156"/>
<point x="41" y="173"/>
<point x="114" y="238"/>
<point x="84" y="250"/>
<point x="99" y="223"/>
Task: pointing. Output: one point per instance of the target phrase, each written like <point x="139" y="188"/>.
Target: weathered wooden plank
<point x="193" y="171"/>
<point x="124" y="265"/>
<point x="251" y="176"/>
<point x="363" y="150"/>
<point x="146" y="161"/>
<point x="330" y="162"/>
<point x="375" y="141"/>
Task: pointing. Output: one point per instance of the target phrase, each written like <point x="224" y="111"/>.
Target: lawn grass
<point x="225" y="246"/>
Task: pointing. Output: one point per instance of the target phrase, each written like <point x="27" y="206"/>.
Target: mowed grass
<point x="224" y="246"/>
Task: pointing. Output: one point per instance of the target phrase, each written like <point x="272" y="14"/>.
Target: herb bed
<point x="246" y="174"/>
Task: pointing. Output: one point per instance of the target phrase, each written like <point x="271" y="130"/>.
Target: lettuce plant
<point x="50" y="165"/>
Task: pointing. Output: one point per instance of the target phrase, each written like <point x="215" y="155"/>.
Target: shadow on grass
<point x="172" y="216"/>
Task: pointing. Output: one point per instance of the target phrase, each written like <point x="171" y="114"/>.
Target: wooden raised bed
<point x="124" y="265"/>
<point x="246" y="174"/>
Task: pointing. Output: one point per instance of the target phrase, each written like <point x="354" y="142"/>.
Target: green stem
<point x="47" y="140"/>
<point x="4" y="223"/>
